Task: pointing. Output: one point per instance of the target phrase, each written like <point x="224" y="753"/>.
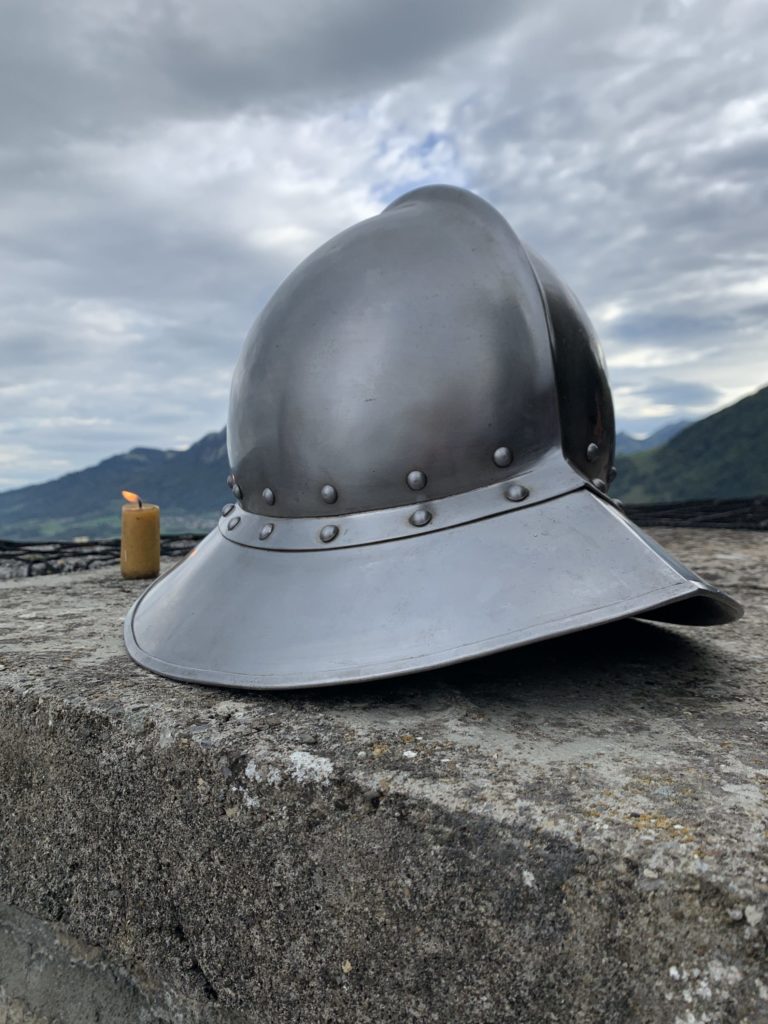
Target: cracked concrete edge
<point x="49" y="977"/>
<point x="678" y="945"/>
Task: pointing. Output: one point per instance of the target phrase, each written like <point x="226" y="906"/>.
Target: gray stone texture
<point x="571" y="832"/>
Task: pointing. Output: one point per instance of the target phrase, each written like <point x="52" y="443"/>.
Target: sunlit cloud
<point x="650" y="358"/>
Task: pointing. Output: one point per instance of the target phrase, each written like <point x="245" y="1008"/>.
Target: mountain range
<point x="189" y="486"/>
<point x="722" y="456"/>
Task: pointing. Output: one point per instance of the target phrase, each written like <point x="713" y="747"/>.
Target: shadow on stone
<point x="609" y="661"/>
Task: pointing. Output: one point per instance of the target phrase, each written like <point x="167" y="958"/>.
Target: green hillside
<point x="188" y="486"/>
<point x="722" y="456"/>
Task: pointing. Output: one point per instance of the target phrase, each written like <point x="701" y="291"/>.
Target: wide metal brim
<point x="236" y="616"/>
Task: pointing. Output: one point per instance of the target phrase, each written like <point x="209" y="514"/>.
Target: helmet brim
<point x="236" y="616"/>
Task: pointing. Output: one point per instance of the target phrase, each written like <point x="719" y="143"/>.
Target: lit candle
<point x="139" y="539"/>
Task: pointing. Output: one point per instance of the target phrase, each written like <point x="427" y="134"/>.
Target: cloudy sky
<point x="165" y="165"/>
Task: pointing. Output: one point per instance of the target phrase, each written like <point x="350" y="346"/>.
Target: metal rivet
<point x="502" y="457"/>
<point x="601" y="485"/>
<point x="328" y="493"/>
<point x="227" y="508"/>
<point x="266" y="531"/>
<point x="268" y="495"/>
<point x="612" y="474"/>
<point x="231" y="481"/>
<point x="420" y="517"/>
<point x="233" y="523"/>
<point x="416" y="480"/>
<point x="516" y="492"/>
<point x="329" y="533"/>
<point x="592" y="452"/>
<point x="619" y="505"/>
<point x="236" y="491"/>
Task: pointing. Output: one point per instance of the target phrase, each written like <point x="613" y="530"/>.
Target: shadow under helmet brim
<point x="247" y="618"/>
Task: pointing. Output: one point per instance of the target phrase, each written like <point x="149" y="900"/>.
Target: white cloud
<point x="164" y="170"/>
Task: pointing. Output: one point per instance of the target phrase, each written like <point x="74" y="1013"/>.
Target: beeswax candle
<point x="139" y="539"/>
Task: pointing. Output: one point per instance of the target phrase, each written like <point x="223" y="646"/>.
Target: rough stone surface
<point x="571" y="832"/>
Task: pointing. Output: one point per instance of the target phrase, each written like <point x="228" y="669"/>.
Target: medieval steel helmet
<point x="421" y="437"/>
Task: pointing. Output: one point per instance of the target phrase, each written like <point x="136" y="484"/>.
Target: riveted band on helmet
<point x="550" y="478"/>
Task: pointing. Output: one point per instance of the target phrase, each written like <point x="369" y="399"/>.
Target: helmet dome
<point x="413" y="353"/>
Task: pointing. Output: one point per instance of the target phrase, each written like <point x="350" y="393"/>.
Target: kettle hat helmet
<point x="421" y="437"/>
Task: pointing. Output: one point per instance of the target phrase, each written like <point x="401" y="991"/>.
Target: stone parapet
<point x="571" y="832"/>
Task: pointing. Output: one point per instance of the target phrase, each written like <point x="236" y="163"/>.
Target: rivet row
<point x="420" y="517"/>
<point x="416" y="479"/>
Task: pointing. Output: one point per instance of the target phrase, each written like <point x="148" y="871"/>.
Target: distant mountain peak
<point x="626" y="444"/>
<point x="189" y="485"/>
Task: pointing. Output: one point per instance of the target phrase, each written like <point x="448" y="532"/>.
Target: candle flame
<point x="130" y="496"/>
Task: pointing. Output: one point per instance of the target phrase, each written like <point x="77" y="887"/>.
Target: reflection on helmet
<point x="584" y="398"/>
<point x="409" y="354"/>
<point x="415" y="347"/>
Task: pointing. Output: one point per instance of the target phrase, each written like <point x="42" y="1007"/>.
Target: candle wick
<point x="139" y="500"/>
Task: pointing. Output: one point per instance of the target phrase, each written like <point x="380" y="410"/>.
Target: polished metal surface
<point x="421" y="517"/>
<point x="516" y="492"/>
<point x="584" y="401"/>
<point x="366" y="612"/>
<point x="452" y="388"/>
<point x="502" y="457"/>
<point x="415" y="340"/>
<point x="416" y="480"/>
